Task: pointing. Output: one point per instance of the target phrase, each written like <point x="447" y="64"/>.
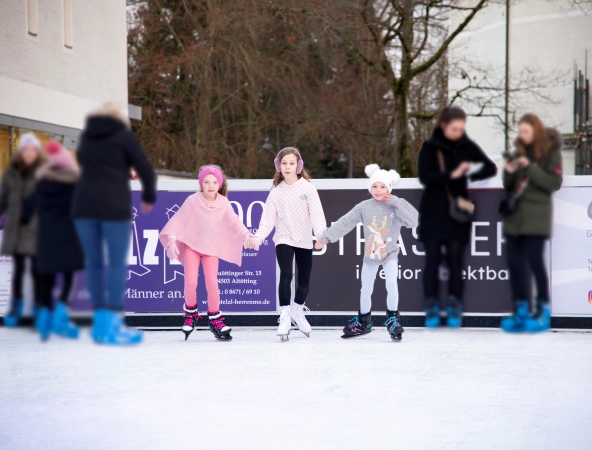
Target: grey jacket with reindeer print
<point x="382" y="223"/>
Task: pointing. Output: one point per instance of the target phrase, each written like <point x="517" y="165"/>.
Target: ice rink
<point x="434" y="390"/>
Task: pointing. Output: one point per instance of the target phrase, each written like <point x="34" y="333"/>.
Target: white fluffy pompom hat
<point x="376" y="174"/>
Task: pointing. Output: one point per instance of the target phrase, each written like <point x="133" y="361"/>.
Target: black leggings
<point x="18" y="276"/>
<point x="47" y="283"/>
<point x="523" y="252"/>
<point x="285" y="256"/>
<point x="454" y="260"/>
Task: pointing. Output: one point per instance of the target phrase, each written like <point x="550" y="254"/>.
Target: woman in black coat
<point x="444" y="163"/>
<point x="102" y="211"/>
<point x="58" y="248"/>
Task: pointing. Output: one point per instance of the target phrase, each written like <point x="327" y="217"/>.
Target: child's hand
<point x="172" y="251"/>
<point x="252" y="243"/>
<point x="387" y="198"/>
<point x="319" y="245"/>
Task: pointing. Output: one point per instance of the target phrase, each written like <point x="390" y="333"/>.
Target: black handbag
<point x="461" y="209"/>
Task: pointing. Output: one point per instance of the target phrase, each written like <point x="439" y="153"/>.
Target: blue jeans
<point x="113" y="236"/>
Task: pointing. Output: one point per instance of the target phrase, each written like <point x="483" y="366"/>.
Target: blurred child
<point x="293" y="207"/>
<point x="382" y="216"/>
<point x="204" y="230"/>
<point x="58" y="248"/>
<point x="18" y="238"/>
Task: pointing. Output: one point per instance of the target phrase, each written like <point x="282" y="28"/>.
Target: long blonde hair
<point x="111" y="110"/>
<point x="278" y="177"/>
<point x="224" y="186"/>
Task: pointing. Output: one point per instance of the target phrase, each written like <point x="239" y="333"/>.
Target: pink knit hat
<point x="58" y="155"/>
<point x="209" y="170"/>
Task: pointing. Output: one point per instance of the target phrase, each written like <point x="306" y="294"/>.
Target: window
<point x="32" y="17"/>
<point x="68" y="35"/>
<point x="4" y="147"/>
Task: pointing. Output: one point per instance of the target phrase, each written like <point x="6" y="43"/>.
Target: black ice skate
<point x="358" y="325"/>
<point x="191" y="317"/>
<point x="393" y="325"/>
<point x="218" y="327"/>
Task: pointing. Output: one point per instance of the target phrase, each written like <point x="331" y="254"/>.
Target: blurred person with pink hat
<point x="58" y="247"/>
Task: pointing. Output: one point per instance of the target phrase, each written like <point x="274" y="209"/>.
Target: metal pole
<point x="507" y="89"/>
<point x="351" y="163"/>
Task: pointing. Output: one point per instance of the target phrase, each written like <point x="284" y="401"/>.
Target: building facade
<point x="546" y="39"/>
<point x="58" y="60"/>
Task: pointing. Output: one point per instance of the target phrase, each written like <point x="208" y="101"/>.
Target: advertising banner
<point x="571" y="248"/>
<point x="335" y="283"/>
<point x="156" y="285"/>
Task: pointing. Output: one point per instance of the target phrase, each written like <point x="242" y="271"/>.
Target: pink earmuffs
<point x="277" y="162"/>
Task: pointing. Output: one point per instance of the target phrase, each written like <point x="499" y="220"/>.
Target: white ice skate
<point x="285" y="322"/>
<point x="299" y="319"/>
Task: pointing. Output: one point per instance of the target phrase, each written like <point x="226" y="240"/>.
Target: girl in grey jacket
<point x="382" y="217"/>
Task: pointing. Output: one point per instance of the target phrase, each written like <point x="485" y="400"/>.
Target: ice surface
<point x="434" y="390"/>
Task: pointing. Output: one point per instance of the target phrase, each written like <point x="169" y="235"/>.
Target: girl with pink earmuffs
<point x="294" y="209"/>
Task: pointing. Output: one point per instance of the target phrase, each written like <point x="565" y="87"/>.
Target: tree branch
<point x="436" y="56"/>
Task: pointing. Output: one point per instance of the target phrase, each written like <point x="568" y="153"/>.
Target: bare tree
<point x="408" y="38"/>
<point x="215" y="77"/>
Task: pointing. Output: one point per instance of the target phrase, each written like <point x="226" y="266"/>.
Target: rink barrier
<point x="318" y="321"/>
<point x="320" y="318"/>
<point x="321" y="321"/>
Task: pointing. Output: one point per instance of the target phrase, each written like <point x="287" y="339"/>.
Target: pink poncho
<point x="209" y="228"/>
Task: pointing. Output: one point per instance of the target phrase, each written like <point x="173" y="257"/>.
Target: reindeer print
<point x="376" y="242"/>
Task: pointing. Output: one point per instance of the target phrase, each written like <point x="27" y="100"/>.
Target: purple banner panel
<point x="155" y="284"/>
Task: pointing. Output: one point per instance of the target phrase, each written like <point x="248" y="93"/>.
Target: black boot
<point x="393" y="325"/>
<point x="358" y="325"/>
<point x="218" y="327"/>
<point x="190" y="318"/>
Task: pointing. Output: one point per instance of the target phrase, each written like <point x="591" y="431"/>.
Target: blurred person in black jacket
<point x="102" y="210"/>
<point x="58" y="247"/>
<point x="444" y="163"/>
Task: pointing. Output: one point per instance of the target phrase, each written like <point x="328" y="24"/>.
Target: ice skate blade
<point x="396" y="337"/>
<point x="349" y="336"/>
<point x="284" y="337"/>
<point x="224" y="337"/>
<point x="187" y="333"/>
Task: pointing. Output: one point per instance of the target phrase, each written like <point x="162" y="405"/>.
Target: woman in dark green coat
<point x="531" y="176"/>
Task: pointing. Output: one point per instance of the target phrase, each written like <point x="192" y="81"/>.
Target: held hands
<point x="172" y="250"/>
<point x="252" y="242"/>
<point x="460" y="170"/>
<point x="319" y="245"/>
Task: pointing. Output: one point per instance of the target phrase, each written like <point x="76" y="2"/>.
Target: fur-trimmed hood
<point x="60" y="175"/>
<point x="556" y="139"/>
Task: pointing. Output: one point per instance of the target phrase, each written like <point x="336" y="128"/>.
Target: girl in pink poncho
<point x="204" y="230"/>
